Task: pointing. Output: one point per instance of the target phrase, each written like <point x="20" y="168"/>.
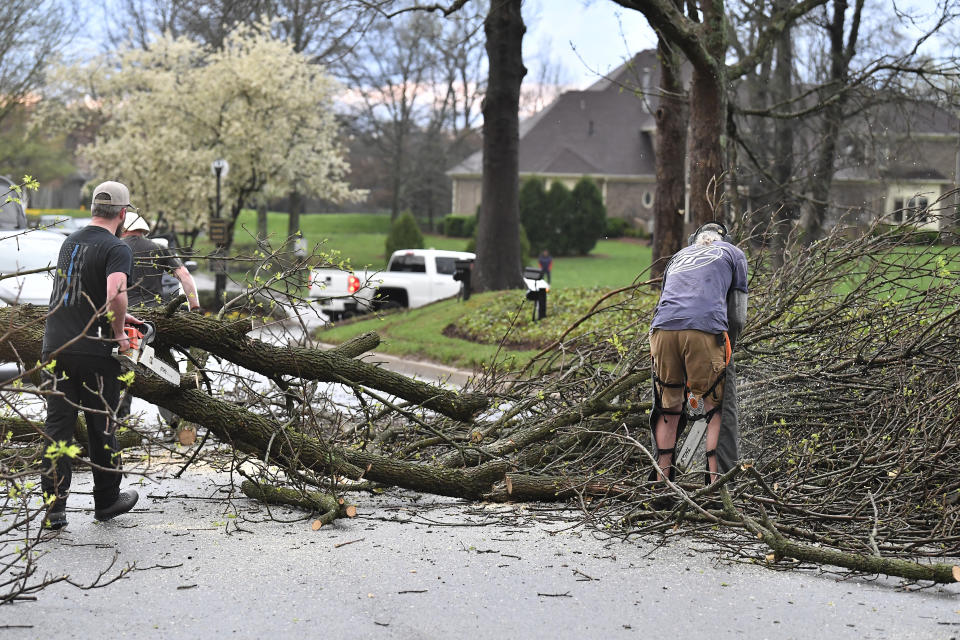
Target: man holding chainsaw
<point x="88" y="310"/>
<point x="702" y="308"/>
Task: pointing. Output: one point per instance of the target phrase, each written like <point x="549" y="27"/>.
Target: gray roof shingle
<point x="602" y="130"/>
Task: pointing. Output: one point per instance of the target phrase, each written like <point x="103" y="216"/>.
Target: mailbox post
<point x="538" y="294"/>
<point x="464" y="269"/>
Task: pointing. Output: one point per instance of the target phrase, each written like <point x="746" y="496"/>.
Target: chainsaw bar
<point x="145" y="359"/>
<point x="141" y="355"/>
<point x="691" y="443"/>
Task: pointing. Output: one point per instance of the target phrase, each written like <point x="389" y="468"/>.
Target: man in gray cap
<point x="88" y="310"/>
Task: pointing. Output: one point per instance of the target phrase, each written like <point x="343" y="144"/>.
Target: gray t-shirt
<point x="695" y="287"/>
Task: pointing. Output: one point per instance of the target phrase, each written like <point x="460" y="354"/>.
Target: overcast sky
<point x="587" y="37"/>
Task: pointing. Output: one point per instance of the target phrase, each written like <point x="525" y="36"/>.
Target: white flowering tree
<point x="162" y="116"/>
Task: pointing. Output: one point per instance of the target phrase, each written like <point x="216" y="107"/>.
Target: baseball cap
<point x="133" y="221"/>
<point x="111" y="192"/>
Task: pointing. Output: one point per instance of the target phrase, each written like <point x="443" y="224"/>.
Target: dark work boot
<point x="124" y="502"/>
<point x="55" y="519"/>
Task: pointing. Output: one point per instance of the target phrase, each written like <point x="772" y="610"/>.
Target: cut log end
<point x="956" y="573"/>
<point x="350" y="511"/>
<point x="771" y="558"/>
<point x="316" y="525"/>
<point x="187" y="436"/>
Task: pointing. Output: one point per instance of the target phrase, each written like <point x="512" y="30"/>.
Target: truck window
<point x="408" y="264"/>
<point x="447" y="266"/>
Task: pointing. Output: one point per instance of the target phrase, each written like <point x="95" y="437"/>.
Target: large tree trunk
<point x="293" y="222"/>
<point x="671" y="141"/>
<point x="832" y="115"/>
<point x="708" y="121"/>
<point x="498" y="229"/>
<point x="262" y="222"/>
<point x="785" y="208"/>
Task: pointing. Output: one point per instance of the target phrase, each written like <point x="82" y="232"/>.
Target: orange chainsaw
<point x="141" y="356"/>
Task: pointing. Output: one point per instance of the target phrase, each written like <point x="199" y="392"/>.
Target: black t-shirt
<point x="150" y="261"/>
<point x="87" y="257"/>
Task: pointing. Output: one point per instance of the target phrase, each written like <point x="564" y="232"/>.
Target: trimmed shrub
<point x="456" y="226"/>
<point x="908" y="234"/>
<point x="533" y="213"/>
<point x="404" y="234"/>
<point x="588" y="217"/>
<point x="559" y="215"/>
<point x="616" y="227"/>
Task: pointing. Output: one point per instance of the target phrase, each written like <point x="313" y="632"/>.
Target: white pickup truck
<point x="413" y="278"/>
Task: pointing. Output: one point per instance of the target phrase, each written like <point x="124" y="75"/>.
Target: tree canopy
<point x="168" y="111"/>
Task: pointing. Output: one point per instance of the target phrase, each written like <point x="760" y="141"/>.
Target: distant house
<point x="893" y="161"/>
<point x="898" y="162"/>
<point x="605" y="131"/>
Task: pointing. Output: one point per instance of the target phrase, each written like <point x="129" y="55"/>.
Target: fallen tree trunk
<point x="21" y="430"/>
<point x="330" y="507"/>
<point x="229" y="340"/>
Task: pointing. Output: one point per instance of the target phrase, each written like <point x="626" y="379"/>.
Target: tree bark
<point x="262" y="222"/>
<point x="785" y="205"/>
<point x="708" y="120"/>
<point x="671" y="141"/>
<point x="832" y="115"/>
<point x="293" y="221"/>
<point x="229" y="341"/>
<point x="498" y="229"/>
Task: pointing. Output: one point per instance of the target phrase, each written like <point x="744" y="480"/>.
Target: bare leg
<point x="713" y="436"/>
<point x="667" y="438"/>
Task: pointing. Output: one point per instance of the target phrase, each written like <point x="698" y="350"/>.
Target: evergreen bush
<point x="559" y="215"/>
<point x="588" y="217"/>
<point x="616" y="227"/>
<point x="457" y="226"/>
<point x="533" y="213"/>
<point x="404" y="234"/>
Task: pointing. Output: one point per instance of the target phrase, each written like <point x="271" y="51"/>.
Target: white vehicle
<point x="22" y="250"/>
<point x="413" y="278"/>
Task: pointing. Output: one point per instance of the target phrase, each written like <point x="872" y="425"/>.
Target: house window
<point x="647" y="199"/>
<point x="908" y="203"/>
<point x="914" y="210"/>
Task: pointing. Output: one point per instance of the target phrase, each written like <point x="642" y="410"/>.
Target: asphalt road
<point x="214" y="564"/>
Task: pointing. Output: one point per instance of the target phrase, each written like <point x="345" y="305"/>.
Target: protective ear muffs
<point x="722" y="230"/>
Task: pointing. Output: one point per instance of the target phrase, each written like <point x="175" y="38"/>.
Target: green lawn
<point x="357" y="236"/>
<point x="418" y="334"/>
<point x="613" y="264"/>
<point x="361" y="236"/>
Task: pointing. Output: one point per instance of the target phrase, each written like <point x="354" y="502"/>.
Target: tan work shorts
<point x="691" y="357"/>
